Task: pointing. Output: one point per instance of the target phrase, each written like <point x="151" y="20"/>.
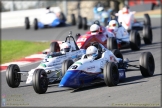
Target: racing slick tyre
<point x="147" y="20"/>
<point x="35" y="24"/>
<point x="27" y="23"/>
<point x="12" y="77"/>
<point x="79" y="22"/>
<point x="65" y="65"/>
<point x="147" y="64"/>
<point x="147" y="34"/>
<point x="117" y="53"/>
<point x="54" y="47"/>
<point x="112" y="43"/>
<point x="105" y="22"/>
<point x="73" y="21"/>
<point x="40" y="81"/>
<point x="85" y="26"/>
<point x="135" y="40"/>
<point x="111" y="74"/>
<point x="62" y="16"/>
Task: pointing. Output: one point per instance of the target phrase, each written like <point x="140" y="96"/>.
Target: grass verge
<point x="14" y="49"/>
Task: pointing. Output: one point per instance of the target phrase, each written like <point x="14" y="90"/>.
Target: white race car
<point x="128" y="21"/>
<point x="51" y="65"/>
<point x="123" y="39"/>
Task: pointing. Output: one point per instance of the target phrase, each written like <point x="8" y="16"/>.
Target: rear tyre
<point x="147" y="64"/>
<point x="54" y="47"/>
<point x="62" y="16"/>
<point x="105" y="22"/>
<point x="65" y="65"/>
<point x="27" y="23"/>
<point x="13" y="78"/>
<point x="147" y="34"/>
<point x="112" y="43"/>
<point x="135" y="40"/>
<point x="35" y="24"/>
<point x="79" y="22"/>
<point x="147" y="20"/>
<point x="111" y="74"/>
<point x="117" y="53"/>
<point x="73" y="21"/>
<point x="85" y="27"/>
<point x="40" y="81"/>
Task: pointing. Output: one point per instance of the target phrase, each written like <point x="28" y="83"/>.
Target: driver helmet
<point x="99" y="9"/>
<point x="113" y="26"/>
<point x="65" y="47"/>
<point x="125" y="10"/>
<point x="91" y="52"/>
<point x="95" y="29"/>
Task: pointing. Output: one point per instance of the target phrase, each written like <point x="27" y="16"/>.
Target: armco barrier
<point x="16" y="18"/>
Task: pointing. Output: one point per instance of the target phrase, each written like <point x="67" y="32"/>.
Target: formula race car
<point x="123" y="38"/>
<point x="106" y="67"/>
<point x="48" y="19"/>
<point x="126" y="18"/>
<point x="100" y="14"/>
<point x="50" y="67"/>
<point x="104" y="37"/>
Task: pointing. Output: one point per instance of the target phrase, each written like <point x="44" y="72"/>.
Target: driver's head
<point x="125" y="10"/>
<point x="92" y="52"/>
<point x="113" y="26"/>
<point x="65" y="47"/>
<point x="94" y="29"/>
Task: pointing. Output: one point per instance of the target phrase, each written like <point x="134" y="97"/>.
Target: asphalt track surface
<point x="134" y="91"/>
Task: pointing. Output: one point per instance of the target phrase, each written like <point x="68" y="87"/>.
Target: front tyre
<point x="27" y="23"/>
<point x="111" y="74"/>
<point x="40" y="81"/>
<point x="85" y="27"/>
<point x="147" y="64"/>
<point x="65" y="65"/>
<point x="13" y="78"/>
<point x="117" y="53"/>
<point x="79" y="22"/>
<point x="147" y="20"/>
<point x="135" y="40"/>
<point x="35" y="24"/>
<point x="112" y="43"/>
<point x="147" y="34"/>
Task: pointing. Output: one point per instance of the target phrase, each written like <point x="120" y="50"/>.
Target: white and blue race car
<point x="48" y="19"/>
<point x="51" y="67"/>
<point x="108" y="67"/>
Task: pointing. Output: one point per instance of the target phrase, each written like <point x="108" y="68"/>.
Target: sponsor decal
<point x="81" y="39"/>
<point x="91" y="68"/>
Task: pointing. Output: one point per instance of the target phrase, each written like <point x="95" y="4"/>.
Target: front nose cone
<point x="70" y="79"/>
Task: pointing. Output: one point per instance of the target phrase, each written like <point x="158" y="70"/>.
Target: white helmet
<point x="125" y="10"/>
<point x="94" y="29"/>
<point x="65" y="47"/>
<point x="92" y="52"/>
<point x="113" y="26"/>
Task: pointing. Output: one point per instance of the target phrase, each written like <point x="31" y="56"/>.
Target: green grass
<point x="13" y="49"/>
